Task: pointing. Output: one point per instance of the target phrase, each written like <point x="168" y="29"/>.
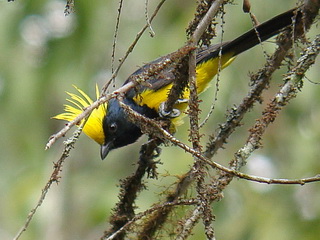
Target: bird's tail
<point x="257" y="35"/>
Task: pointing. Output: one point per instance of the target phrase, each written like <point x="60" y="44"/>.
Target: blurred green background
<point x="43" y="52"/>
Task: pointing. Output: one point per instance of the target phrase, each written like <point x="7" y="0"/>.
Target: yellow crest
<point x="93" y="127"/>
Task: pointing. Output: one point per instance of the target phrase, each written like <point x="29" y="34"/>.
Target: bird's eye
<point x="113" y="127"/>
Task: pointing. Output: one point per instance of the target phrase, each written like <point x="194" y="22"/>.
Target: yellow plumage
<point x="204" y="72"/>
<point x="93" y="127"/>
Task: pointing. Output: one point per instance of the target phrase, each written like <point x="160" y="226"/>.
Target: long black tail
<point x="253" y="37"/>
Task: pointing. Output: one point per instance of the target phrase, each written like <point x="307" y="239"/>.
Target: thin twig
<point x="115" y="36"/>
<point x="54" y="178"/>
<point x="179" y="84"/>
<point x="130" y="49"/>
<point x="213" y="104"/>
<point x="152" y="33"/>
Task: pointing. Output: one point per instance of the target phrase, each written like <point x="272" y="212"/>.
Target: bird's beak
<point x="105" y="149"/>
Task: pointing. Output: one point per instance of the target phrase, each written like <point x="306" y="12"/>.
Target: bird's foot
<point x="173" y="113"/>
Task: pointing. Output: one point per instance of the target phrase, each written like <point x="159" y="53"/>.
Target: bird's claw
<point x="173" y="113"/>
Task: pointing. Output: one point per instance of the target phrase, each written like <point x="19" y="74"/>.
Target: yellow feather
<point x="93" y="127"/>
<point x="204" y="72"/>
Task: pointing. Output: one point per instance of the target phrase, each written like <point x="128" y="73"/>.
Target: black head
<point x="118" y="131"/>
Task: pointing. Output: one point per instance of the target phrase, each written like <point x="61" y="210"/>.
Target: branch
<point x="54" y="178"/>
<point x="260" y="81"/>
<point x="198" y="169"/>
<point x="181" y="71"/>
<point x="205" y="21"/>
<point x="130" y="187"/>
<point x="130" y="49"/>
<point x="287" y="92"/>
<point x="189" y="223"/>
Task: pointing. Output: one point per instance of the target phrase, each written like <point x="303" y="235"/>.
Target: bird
<point x="109" y="125"/>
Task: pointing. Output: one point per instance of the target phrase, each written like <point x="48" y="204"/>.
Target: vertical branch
<point x="130" y="187"/>
<point x="199" y="167"/>
<point x="194" y="109"/>
<point x="115" y="36"/>
<point x="180" y="83"/>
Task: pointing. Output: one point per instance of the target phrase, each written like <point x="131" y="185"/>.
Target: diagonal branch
<point x="54" y="178"/>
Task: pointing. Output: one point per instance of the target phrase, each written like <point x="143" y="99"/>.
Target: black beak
<point x="105" y="149"/>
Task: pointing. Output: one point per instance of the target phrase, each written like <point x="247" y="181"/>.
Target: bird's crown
<point x="93" y="126"/>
